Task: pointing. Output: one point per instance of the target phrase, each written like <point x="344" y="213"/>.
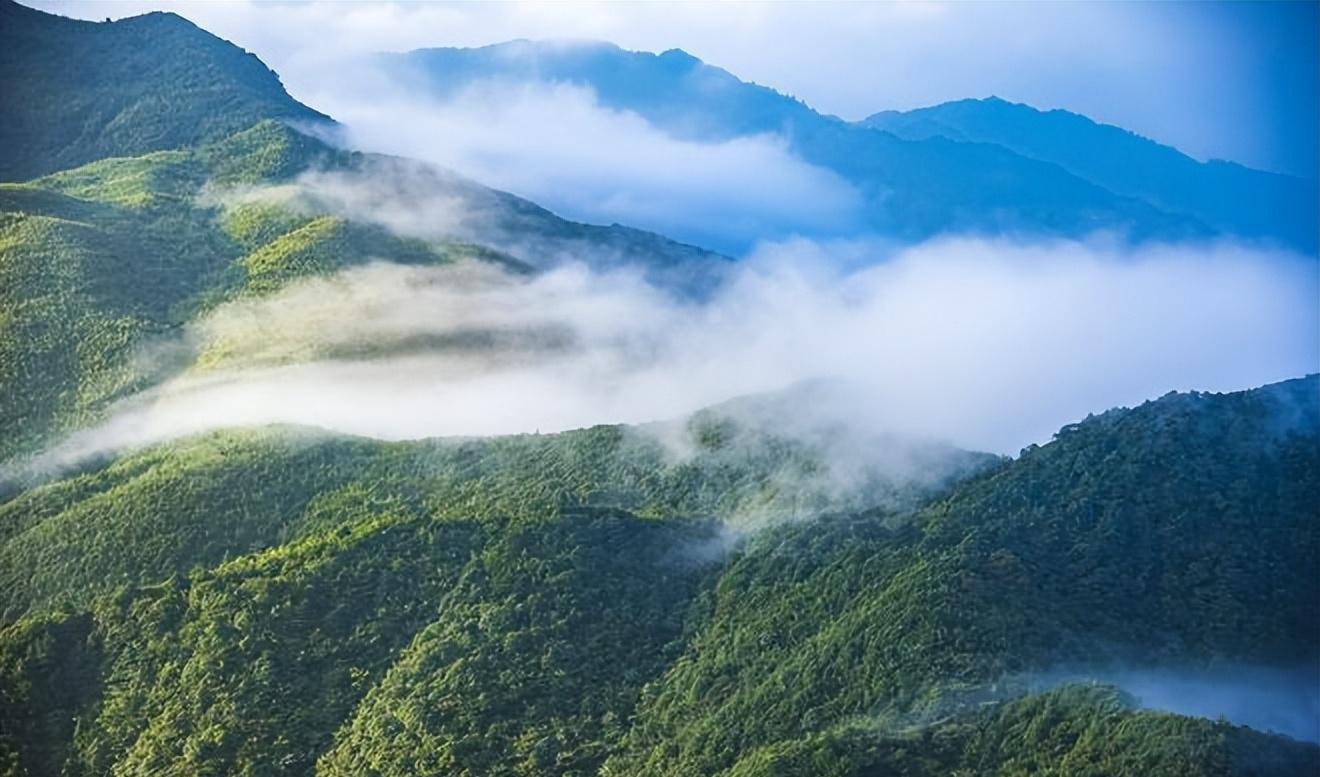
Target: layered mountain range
<point x="984" y="166"/>
<point x="738" y="592"/>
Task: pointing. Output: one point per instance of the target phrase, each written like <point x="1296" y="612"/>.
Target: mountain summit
<point x="672" y="90"/>
<point x="76" y="91"/>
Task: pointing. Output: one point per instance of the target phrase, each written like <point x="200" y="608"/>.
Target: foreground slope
<point x="534" y="582"/>
<point x="505" y="607"/>
<point x="1182" y="532"/>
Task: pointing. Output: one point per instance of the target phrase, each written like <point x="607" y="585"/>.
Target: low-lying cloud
<point x="989" y="344"/>
<point x="555" y="144"/>
<point x="1279" y="700"/>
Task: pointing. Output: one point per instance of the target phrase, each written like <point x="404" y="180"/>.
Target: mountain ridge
<point x="949" y="186"/>
<point x="90" y="90"/>
<point x="975" y="585"/>
<point x="1246" y="200"/>
<point x="85" y="257"/>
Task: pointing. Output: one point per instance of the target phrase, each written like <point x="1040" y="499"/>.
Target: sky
<point x="1230" y="80"/>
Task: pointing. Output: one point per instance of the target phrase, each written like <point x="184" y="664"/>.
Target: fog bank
<point x="989" y="344"/>
<point x="1277" y="700"/>
<point x="555" y="144"/>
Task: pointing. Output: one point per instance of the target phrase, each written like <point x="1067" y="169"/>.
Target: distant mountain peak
<point x="1229" y="197"/>
<point x="680" y="54"/>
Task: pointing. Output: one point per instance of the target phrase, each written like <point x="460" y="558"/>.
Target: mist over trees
<point x="318" y="461"/>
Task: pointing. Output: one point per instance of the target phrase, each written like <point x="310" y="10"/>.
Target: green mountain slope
<point x="207" y="499"/>
<point x="1073" y="730"/>
<point x="102" y="261"/>
<point x="1181" y="531"/>
<point x="76" y="91"/>
<point x="166" y="158"/>
<point x="550" y="556"/>
<point x="99" y="260"/>
<point x="566" y="604"/>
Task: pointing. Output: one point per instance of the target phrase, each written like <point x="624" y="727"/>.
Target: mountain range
<point x="980" y="166"/>
<point x="734" y="593"/>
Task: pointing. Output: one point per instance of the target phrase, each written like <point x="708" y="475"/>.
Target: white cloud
<point x="988" y="344"/>
<point x="553" y="144"/>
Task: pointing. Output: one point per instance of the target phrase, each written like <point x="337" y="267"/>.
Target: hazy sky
<point x="1229" y="80"/>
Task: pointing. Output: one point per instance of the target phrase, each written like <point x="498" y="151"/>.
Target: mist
<point x="1279" y="700"/>
<point x="987" y="344"/>
<point x="555" y="144"/>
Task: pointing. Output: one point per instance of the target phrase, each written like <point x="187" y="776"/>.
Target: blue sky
<point x="1228" y="80"/>
<point x="1264" y="56"/>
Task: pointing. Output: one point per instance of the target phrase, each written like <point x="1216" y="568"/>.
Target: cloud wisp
<point x="989" y="344"/>
<point x="1279" y="700"/>
<point x="556" y="145"/>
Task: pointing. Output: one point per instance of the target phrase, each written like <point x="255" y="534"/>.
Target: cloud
<point x="1281" y="700"/>
<point x="406" y="197"/>
<point x="419" y="200"/>
<point x="554" y="144"/>
<point x="990" y="344"/>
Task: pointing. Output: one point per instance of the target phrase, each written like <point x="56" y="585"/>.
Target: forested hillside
<point x="570" y="603"/>
<point x="76" y="91"/>
<point x="1181" y="531"/>
<point x="102" y="260"/>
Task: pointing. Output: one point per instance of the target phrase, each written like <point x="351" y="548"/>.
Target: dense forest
<point x="274" y="602"/>
<point x="719" y="594"/>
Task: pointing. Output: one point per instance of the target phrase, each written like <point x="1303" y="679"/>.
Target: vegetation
<point x="100" y="261"/>
<point x="1181" y="531"/>
<point x="202" y="501"/>
<point x="106" y="267"/>
<point x="1073" y="730"/>
<point x="269" y="602"/>
<point x="148" y="150"/>
<point x="285" y="601"/>
<point x="91" y="90"/>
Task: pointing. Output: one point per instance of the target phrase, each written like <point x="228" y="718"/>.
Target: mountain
<point x="673" y="90"/>
<point x="1140" y="536"/>
<point x="76" y="91"/>
<point x="1227" y="196"/>
<point x="568" y="604"/>
<point x="743" y="592"/>
<point x="914" y="184"/>
<point x="106" y="258"/>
